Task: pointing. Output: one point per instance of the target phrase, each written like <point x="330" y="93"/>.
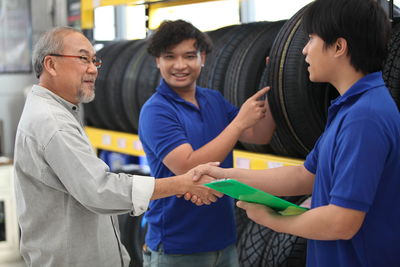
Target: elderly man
<point x="66" y="197"/>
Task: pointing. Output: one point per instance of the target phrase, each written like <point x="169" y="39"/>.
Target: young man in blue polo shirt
<point x="181" y="126"/>
<point x="353" y="172"/>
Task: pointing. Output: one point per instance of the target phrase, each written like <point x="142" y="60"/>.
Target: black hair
<point x="363" y="23"/>
<point x="171" y="33"/>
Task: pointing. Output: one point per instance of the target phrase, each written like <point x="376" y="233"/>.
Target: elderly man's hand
<point x="202" y="194"/>
<point x="200" y="175"/>
<point x="198" y="193"/>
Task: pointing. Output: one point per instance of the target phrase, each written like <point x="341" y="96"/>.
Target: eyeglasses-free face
<point x="85" y="59"/>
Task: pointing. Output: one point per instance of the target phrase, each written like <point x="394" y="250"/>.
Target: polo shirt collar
<point x="166" y="90"/>
<point x="366" y="83"/>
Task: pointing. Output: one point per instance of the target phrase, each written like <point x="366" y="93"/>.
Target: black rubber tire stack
<point x="102" y="101"/>
<point x="226" y="41"/>
<point x="259" y="246"/>
<point x="252" y="243"/>
<point x="114" y="94"/>
<point x="92" y="116"/>
<point x="391" y="69"/>
<point x="246" y="66"/>
<point x="298" y="105"/>
<point x="216" y="60"/>
<point x="140" y="81"/>
<point x="284" y="250"/>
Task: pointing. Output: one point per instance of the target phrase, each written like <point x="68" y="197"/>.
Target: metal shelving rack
<point x="130" y="144"/>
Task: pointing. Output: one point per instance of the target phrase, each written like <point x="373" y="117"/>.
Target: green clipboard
<point x="241" y="191"/>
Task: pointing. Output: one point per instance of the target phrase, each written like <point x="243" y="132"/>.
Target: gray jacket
<point x="66" y="196"/>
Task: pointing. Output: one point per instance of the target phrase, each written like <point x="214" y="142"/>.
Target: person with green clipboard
<point x="353" y="171"/>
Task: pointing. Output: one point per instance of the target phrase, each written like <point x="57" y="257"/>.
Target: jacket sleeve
<point x="88" y="180"/>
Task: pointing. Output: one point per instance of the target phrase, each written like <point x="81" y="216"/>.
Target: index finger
<point x="261" y="92"/>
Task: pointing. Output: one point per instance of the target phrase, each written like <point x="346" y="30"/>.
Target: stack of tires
<point x="237" y="68"/>
<point x="127" y="78"/>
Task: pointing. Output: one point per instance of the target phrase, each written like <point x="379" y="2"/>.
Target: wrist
<point x="185" y="186"/>
<point x="237" y="126"/>
<point x="227" y="173"/>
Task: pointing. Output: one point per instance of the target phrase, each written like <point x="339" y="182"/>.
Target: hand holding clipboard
<point x="243" y="192"/>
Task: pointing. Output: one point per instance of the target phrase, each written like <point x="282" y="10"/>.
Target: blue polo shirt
<point x="356" y="163"/>
<point x="167" y="121"/>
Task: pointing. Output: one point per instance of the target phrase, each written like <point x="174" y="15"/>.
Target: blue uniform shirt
<point x="357" y="166"/>
<point x="167" y="121"/>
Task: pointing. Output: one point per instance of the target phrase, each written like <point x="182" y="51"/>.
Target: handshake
<point x="195" y="180"/>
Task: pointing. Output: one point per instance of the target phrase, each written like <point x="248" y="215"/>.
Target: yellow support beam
<point x="115" y="141"/>
<point x="88" y="6"/>
<point x="258" y="161"/>
<point x="156" y="6"/>
<point x="87" y="14"/>
<point x="130" y="144"/>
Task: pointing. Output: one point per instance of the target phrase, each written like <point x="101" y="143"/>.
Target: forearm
<point x="261" y="132"/>
<point x="217" y="149"/>
<point x="282" y="181"/>
<point x="166" y="187"/>
<point x="178" y="185"/>
<point x="324" y="223"/>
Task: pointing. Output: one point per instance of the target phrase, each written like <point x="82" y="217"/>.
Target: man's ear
<point x="341" y="47"/>
<point x="49" y="65"/>
<point x="157" y="62"/>
<point x="203" y="58"/>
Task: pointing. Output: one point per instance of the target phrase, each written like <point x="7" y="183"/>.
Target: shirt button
<point x="73" y="108"/>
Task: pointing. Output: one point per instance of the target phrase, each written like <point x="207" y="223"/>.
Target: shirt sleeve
<point x="361" y="149"/>
<point x="232" y="110"/>
<point x="311" y="161"/>
<point x="160" y="130"/>
<point x="87" y="179"/>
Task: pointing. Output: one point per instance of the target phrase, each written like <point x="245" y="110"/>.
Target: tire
<point x="241" y="220"/>
<point x="284" y="250"/>
<point x="147" y="81"/>
<point x="91" y="115"/>
<point x="217" y="62"/>
<point x="101" y="102"/>
<point x="245" y="69"/>
<point x="260" y="246"/>
<point x="248" y="62"/>
<point x="252" y="244"/>
<point x="114" y="83"/>
<point x="219" y="38"/>
<point x="297" y="105"/>
<point x="129" y="86"/>
<point x="391" y="69"/>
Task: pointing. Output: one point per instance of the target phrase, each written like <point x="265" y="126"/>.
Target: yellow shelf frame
<point x="115" y="141"/>
<point x="130" y="144"/>
<point x="258" y="161"/>
<point x="88" y="6"/>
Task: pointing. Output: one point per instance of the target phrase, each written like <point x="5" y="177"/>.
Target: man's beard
<point x="84" y="97"/>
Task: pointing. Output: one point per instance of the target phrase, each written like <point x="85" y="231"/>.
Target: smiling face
<point x="180" y="65"/>
<point x="75" y="76"/>
<point x="320" y="59"/>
